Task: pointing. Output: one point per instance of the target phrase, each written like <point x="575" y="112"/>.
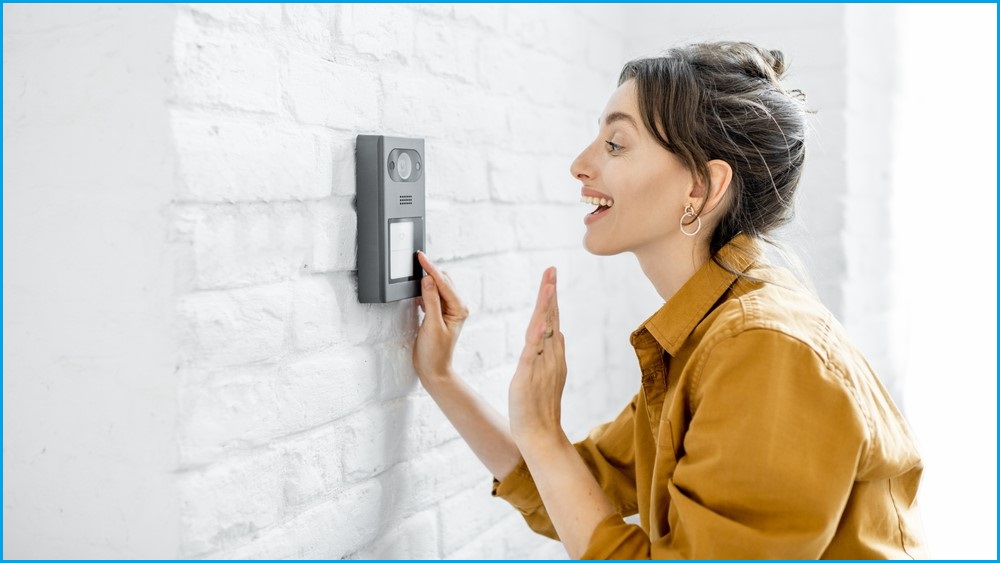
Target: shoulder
<point x="771" y="333"/>
<point x="776" y="308"/>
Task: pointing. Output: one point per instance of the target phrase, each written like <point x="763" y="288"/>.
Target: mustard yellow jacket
<point x="759" y="432"/>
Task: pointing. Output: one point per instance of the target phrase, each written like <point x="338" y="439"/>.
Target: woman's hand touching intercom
<point x="537" y="386"/>
<point x="444" y="315"/>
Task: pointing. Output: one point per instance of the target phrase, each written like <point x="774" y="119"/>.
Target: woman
<point x="758" y="431"/>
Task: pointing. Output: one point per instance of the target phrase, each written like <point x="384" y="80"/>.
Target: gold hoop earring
<point x="689" y="212"/>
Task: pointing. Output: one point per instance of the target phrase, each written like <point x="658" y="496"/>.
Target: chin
<point x="598" y="248"/>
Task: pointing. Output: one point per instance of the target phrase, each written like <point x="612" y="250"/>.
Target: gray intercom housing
<point x="390" y="201"/>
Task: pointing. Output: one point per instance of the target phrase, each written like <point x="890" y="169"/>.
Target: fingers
<point x="534" y="344"/>
<point x="431" y="300"/>
<point x="451" y="304"/>
<point x="538" y="315"/>
<point x="553" y="306"/>
<point x="543" y="304"/>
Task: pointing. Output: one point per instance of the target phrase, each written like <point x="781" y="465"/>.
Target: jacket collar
<point x="677" y="318"/>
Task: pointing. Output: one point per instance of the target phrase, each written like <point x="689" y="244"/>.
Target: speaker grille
<point x="406" y="200"/>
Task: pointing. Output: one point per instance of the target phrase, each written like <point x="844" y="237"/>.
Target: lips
<point x="603" y="203"/>
<point x="594" y="197"/>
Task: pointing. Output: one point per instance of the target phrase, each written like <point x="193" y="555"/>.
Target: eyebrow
<point x="618" y="116"/>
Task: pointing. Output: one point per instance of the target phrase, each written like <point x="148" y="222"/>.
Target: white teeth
<point x="604" y="202"/>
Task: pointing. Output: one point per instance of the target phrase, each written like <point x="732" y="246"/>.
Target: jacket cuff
<point x="616" y="539"/>
<point x="518" y="488"/>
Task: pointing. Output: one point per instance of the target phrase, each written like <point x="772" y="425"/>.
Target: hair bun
<point x="777" y="61"/>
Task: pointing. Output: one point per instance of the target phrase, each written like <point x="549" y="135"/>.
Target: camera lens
<point x="404" y="166"/>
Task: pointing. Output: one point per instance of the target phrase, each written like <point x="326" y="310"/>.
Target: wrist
<point x="437" y="378"/>
<point x="536" y="445"/>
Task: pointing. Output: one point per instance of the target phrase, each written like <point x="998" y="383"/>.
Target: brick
<point x="459" y="231"/>
<point x="415" y="537"/>
<point x="373" y="323"/>
<point x="225" y="159"/>
<point x="334" y="228"/>
<point x="248" y="244"/>
<point x="418" y="104"/>
<point x="415" y="104"/>
<point x="550" y="226"/>
<point x="227" y="410"/>
<point x="556" y="183"/>
<point x="396" y="376"/>
<point x="376" y="323"/>
<point x="224" y="68"/>
<point x="342" y="148"/>
<point x="309" y="28"/>
<point x="517" y="326"/>
<point x="585" y="358"/>
<point x="230" y="327"/>
<point x="448" y="49"/>
<point x="493" y="385"/>
<point x="330" y="530"/>
<point x="513" y="177"/>
<point x="384" y="31"/>
<point x="468" y="514"/>
<point x="330" y="94"/>
<point x="457" y="172"/>
<point x="509" y="283"/>
<point x="227" y="501"/>
<point x="329" y="385"/>
<point x="425" y="427"/>
<point x="509" y="539"/>
<point x="313" y="470"/>
<point x="248" y="15"/>
<point x="316" y="320"/>
<point x="371" y="440"/>
<point x="501" y="65"/>
<point x="567" y="129"/>
<point x="482" y="346"/>
<point x="546" y="79"/>
<point x="420" y="483"/>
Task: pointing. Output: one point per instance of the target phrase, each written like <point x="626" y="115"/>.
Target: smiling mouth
<point x="602" y="203"/>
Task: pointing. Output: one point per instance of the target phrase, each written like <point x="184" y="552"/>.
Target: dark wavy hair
<point x="725" y="100"/>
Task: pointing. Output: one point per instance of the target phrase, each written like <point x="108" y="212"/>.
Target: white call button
<point x="401" y="249"/>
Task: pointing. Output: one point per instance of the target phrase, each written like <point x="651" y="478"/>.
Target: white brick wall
<point x="286" y="419"/>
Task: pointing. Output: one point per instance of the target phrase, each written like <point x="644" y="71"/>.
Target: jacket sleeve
<point x="608" y="452"/>
<point x="767" y="463"/>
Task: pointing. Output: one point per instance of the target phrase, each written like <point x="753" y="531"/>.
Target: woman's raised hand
<point x="537" y="386"/>
<point x="444" y="315"/>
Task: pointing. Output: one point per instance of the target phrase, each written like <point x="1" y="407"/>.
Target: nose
<point x="581" y="168"/>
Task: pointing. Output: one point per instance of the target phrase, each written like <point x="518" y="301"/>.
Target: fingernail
<point x="428" y="282"/>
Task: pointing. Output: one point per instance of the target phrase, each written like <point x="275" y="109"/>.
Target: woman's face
<point x="645" y="186"/>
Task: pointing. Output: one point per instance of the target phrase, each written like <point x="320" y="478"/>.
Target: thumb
<point x="432" y="299"/>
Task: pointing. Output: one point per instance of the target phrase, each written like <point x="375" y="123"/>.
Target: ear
<point x="720" y="177"/>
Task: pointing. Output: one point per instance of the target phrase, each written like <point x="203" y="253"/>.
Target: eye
<point x="613" y="147"/>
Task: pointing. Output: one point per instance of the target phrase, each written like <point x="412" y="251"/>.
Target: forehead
<point x="624" y="100"/>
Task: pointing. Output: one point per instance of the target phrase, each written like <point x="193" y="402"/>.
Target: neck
<point x="669" y="265"/>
